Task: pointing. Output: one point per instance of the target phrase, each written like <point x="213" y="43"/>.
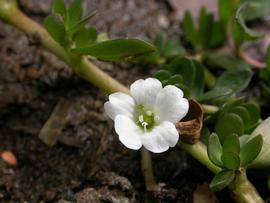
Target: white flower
<point x="147" y="117"/>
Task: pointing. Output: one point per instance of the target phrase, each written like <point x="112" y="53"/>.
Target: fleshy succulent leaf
<point x="222" y="180"/>
<point x="214" y="149"/>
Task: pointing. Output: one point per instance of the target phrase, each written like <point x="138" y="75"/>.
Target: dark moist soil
<point x="88" y="164"/>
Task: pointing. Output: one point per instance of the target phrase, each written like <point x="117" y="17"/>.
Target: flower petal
<point x="145" y="91"/>
<point x="161" y="138"/>
<point x="119" y="103"/>
<point x="128" y="131"/>
<point x="170" y="104"/>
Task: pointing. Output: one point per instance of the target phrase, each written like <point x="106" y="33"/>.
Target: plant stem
<point x="84" y="68"/>
<point x="147" y="169"/>
<point x="199" y="152"/>
<point x="242" y="190"/>
<point x="209" y="109"/>
<point x="79" y="65"/>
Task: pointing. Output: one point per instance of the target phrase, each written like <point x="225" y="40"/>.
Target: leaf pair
<point x="68" y="26"/>
<point x="184" y="73"/>
<point x="236" y="117"/>
<point x="231" y="155"/>
<point x="209" y="34"/>
<point x="192" y="79"/>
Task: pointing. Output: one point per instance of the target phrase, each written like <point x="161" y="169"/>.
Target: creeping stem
<point x="243" y="191"/>
<point x="80" y="65"/>
<point x="198" y="151"/>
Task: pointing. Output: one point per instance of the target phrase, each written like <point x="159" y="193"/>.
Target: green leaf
<point x="263" y="160"/>
<point x="172" y="47"/>
<point x="215" y="94"/>
<point x="251" y="150"/>
<point x="176" y="79"/>
<point x="236" y="79"/>
<point x="86" y="37"/>
<point x="214" y="149"/>
<point x="56" y="28"/>
<point x="74" y="12"/>
<point x="229" y="124"/>
<point x="116" y="50"/>
<point x="225" y="61"/>
<point x="58" y="7"/>
<point x="231" y="144"/>
<point x="189" y="29"/>
<point x="230" y="160"/>
<point x="243" y="139"/>
<point x="205" y="134"/>
<point x="192" y="73"/>
<point x="198" y="84"/>
<point x="241" y="15"/>
<point x="243" y="113"/>
<point x="162" y="75"/>
<point x="183" y="67"/>
<point x="226" y="9"/>
<point x="81" y="24"/>
<point x="206" y="21"/>
<point x="217" y="34"/>
<point x="240" y="32"/>
<point x="254" y="113"/>
<point x="159" y="41"/>
<point x="222" y="180"/>
<point x="230" y="155"/>
<point x="257" y="9"/>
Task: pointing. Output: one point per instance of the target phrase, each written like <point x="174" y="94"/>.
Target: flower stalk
<point x="242" y="189"/>
<point x="147" y="169"/>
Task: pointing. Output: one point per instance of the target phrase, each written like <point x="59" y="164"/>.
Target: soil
<point x="88" y="163"/>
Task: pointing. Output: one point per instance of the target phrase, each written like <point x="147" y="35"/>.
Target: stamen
<point x="145" y="119"/>
<point x="141" y="118"/>
<point x="144" y="124"/>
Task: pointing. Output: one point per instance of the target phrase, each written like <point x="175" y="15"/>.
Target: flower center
<point x="145" y="119"/>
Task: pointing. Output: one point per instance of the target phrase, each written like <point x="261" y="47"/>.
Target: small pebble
<point x="9" y="158"/>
